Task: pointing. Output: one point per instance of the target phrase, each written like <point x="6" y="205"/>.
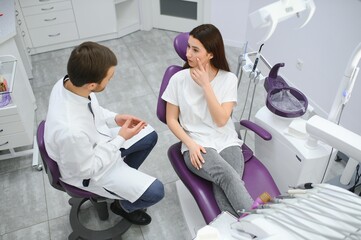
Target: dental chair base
<point x="191" y="213"/>
<point x="287" y="155"/>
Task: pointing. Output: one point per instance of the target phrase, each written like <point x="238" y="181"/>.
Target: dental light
<point x="270" y="15"/>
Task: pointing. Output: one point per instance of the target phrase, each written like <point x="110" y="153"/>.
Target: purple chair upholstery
<point x="256" y="177"/>
<point x="79" y="196"/>
<point x="180" y="44"/>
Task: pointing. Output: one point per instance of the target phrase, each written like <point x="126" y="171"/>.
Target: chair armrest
<point x="256" y="129"/>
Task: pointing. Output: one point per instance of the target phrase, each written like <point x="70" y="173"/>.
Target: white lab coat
<point x="84" y="147"/>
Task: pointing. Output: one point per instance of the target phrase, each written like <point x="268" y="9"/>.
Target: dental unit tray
<point x="283" y="100"/>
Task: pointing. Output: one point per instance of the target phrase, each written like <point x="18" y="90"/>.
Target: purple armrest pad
<point x="247" y="153"/>
<point x="256" y="129"/>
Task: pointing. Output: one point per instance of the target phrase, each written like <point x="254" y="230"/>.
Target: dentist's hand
<point x="200" y="74"/>
<point x="120" y="119"/>
<point x="131" y="128"/>
<point x="195" y="155"/>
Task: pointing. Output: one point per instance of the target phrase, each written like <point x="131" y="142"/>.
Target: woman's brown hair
<point x="212" y="41"/>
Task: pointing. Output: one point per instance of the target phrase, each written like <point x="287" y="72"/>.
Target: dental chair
<point x="78" y="197"/>
<point x="256" y="177"/>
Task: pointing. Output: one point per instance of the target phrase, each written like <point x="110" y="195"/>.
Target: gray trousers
<point x="225" y="171"/>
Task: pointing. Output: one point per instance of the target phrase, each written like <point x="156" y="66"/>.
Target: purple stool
<point x="256" y="177"/>
<point x="78" y="197"/>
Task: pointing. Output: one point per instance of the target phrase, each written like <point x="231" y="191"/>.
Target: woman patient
<point x="200" y="100"/>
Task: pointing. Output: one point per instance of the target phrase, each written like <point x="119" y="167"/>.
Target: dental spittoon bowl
<point x="283" y="100"/>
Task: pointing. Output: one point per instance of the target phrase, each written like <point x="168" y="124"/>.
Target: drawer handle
<point x="44" y="0"/>
<point x="1" y="130"/>
<point x="49" y="19"/>
<point x="54" y="35"/>
<point x="3" y="144"/>
<point x="23" y="33"/>
<point x="19" y="22"/>
<point x="47" y="9"/>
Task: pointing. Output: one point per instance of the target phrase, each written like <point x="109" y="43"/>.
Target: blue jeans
<point x="134" y="157"/>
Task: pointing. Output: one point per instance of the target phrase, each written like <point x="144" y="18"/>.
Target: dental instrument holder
<point x="244" y="69"/>
<point x="294" y="102"/>
<point x="245" y="65"/>
<point x="340" y="138"/>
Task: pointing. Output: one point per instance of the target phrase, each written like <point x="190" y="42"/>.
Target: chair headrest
<point x="180" y="44"/>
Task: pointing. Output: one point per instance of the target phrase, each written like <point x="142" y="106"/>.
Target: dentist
<point x="79" y="137"/>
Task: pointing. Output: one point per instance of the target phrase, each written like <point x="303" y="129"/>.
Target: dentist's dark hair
<point x="89" y="63"/>
<point x="212" y="40"/>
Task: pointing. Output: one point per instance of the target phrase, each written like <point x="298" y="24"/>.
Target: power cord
<point x="357" y="179"/>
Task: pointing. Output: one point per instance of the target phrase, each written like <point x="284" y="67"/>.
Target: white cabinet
<point x="21" y="27"/>
<point x="94" y="18"/>
<point x="16" y="116"/>
<point x="22" y="39"/>
<point x="53" y="24"/>
<point x="49" y="22"/>
<point x="128" y="16"/>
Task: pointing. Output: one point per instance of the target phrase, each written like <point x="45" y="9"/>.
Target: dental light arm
<point x="346" y="85"/>
<point x="340" y="138"/>
<point x="342" y="97"/>
<point x="270" y="15"/>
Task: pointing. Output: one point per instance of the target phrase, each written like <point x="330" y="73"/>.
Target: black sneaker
<point x="138" y="217"/>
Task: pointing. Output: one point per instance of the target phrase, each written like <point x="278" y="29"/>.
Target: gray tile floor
<point x="31" y="209"/>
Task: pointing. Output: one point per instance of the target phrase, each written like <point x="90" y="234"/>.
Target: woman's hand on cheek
<point x="200" y="74"/>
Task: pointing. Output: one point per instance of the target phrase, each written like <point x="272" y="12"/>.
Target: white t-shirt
<point x="194" y="115"/>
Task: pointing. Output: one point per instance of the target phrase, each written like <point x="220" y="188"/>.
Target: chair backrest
<point x="180" y="44"/>
<point x="52" y="169"/>
<point x="50" y="166"/>
<point x="161" y="105"/>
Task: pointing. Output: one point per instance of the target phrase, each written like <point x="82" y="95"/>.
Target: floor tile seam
<point x="40" y="87"/>
<point x="27" y="227"/>
<point x="140" y="69"/>
<point x="143" y="74"/>
<point x="47" y="208"/>
<point x="45" y="178"/>
<point x="14" y="170"/>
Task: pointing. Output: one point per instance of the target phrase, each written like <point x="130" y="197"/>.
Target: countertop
<point x="7" y="20"/>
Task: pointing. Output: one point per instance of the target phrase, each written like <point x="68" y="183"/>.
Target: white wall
<point x="230" y="17"/>
<point x="324" y="46"/>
